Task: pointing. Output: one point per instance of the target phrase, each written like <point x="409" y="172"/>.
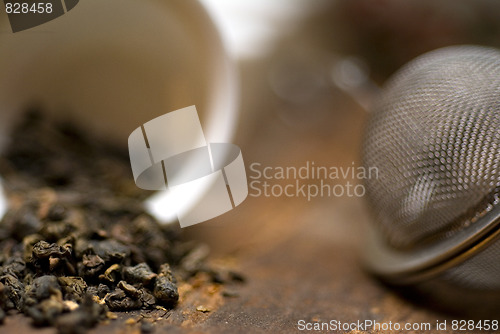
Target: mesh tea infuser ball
<point x="434" y="136"/>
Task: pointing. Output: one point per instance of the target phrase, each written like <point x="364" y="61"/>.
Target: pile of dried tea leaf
<point x="76" y="243"/>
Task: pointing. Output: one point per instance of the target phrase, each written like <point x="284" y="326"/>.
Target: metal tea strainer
<point x="434" y="136"/>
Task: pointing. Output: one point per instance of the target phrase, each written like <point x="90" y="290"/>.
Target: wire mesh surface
<point x="435" y="138"/>
<point x="481" y="271"/>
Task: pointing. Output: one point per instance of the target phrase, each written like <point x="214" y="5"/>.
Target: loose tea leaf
<point x="43" y="287"/>
<point x="139" y="274"/>
<point x="165" y="290"/>
<point x="76" y="241"/>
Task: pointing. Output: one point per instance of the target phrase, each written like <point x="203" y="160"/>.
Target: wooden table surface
<point x="305" y="268"/>
<point x="299" y="257"/>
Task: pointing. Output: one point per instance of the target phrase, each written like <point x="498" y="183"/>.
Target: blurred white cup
<point x="112" y="65"/>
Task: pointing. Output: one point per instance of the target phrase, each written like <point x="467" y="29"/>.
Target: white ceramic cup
<point x="113" y="65"/>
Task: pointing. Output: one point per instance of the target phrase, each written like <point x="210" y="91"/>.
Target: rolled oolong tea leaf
<point x="129" y="289"/>
<point x="43" y="287"/>
<point x="73" y="287"/>
<point x="109" y="250"/>
<point x="147" y="299"/>
<point x="46" y="312"/>
<point x="21" y="222"/>
<point x="12" y="292"/>
<point x="91" y="266"/>
<point x="84" y="317"/>
<point x="127" y="297"/>
<point x="139" y="274"/>
<point x="165" y="289"/>
<point x="57" y="212"/>
<point x="119" y="300"/>
<point x="13" y="266"/>
<point x="52" y="257"/>
<point x="112" y="274"/>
